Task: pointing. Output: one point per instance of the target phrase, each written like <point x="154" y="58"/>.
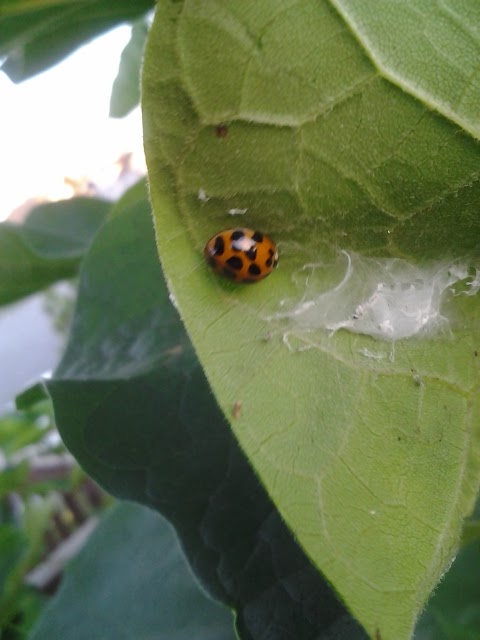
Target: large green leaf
<point x="48" y="246"/>
<point x="134" y="583"/>
<point x="133" y="405"/>
<point x="34" y="40"/>
<point x="368" y="446"/>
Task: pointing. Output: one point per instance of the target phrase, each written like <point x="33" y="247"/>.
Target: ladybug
<point x="242" y="255"/>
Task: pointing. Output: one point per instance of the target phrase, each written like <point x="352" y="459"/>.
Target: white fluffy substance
<point x="388" y="299"/>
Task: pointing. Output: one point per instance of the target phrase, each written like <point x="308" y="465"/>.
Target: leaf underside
<point x="276" y="108"/>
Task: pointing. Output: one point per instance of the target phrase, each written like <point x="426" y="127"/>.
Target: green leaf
<point x="30" y="604"/>
<point x="135" y="196"/>
<point x="35" y="40"/>
<point x="14" y="479"/>
<point x="126" y="87"/>
<point x="471" y="531"/>
<point x="31" y="396"/>
<point x="37" y="518"/>
<point x="48" y="246"/>
<point x="453" y="612"/>
<point x="132" y="579"/>
<point x="132" y="404"/>
<point x="12" y="548"/>
<point x="441" y="69"/>
<point x="19" y="430"/>
<point x="369" y="448"/>
<point x="19" y="6"/>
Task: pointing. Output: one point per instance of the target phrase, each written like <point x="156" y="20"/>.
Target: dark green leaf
<point x="471" y="531"/>
<point x="453" y="612"/>
<point x="35" y="40"/>
<point x="32" y="395"/>
<point x="134" y="407"/>
<point x="131" y="582"/>
<point x="48" y="246"/>
<point x="135" y="196"/>
<point x="126" y="87"/>
<point x="65" y="228"/>
<point x="15" y="7"/>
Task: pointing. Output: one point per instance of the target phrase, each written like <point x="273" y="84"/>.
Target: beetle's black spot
<point x="219" y="246"/>
<point x="228" y="273"/>
<point x="254" y="270"/>
<point x="271" y="252"/>
<point x="251" y="253"/>
<point x="236" y="235"/>
<point x="269" y="262"/>
<point x="257" y="236"/>
<point x="235" y="263"/>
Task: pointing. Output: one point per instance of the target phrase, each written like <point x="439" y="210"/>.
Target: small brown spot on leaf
<point x="221" y="130"/>
<point x="237" y="409"/>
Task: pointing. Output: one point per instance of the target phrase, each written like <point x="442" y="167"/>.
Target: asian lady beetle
<point x="243" y="255"/>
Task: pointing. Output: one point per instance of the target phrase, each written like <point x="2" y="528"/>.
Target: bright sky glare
<point x="56" y="125"/>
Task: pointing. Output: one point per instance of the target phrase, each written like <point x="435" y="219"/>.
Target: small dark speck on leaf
<point x="417" y="380"/>
<point x="221" y="130"/>
<point x="475" y="353"/>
